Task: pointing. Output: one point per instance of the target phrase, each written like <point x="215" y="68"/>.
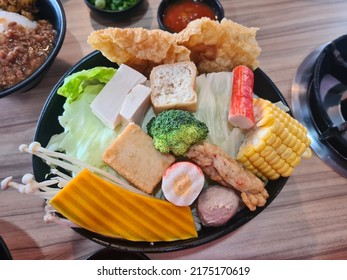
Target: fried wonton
<point x="139" y="48"/>
<point x="219" y="46"/>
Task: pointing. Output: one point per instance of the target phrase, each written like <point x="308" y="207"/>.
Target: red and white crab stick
<point x="241" y="112"/>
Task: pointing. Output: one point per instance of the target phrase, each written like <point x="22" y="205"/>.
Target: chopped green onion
<point x="113" y="5"/>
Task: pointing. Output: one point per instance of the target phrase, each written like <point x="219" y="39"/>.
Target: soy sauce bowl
<point x="114" y="14"/>
<point x="165" y="6"/>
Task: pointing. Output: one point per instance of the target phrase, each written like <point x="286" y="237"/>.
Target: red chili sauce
<point x="179" y="14"/>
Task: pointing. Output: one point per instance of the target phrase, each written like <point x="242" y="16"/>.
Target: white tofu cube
<point x="135" y="104"/>
<point x="108" y="103"/>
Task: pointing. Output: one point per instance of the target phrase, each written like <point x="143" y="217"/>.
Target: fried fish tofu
<point x="220" y="46"/>
<point x="133" y="156"/>
<point x="139" y="48"/>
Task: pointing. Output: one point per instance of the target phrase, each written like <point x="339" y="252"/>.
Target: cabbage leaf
<point x="85" y="137"/>
<point x="214" y="95"/>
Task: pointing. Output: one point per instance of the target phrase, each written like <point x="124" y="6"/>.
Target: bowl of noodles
<point x="31" y="35"/>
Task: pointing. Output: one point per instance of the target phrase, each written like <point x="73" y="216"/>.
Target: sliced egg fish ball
<point x="182" y="183"/>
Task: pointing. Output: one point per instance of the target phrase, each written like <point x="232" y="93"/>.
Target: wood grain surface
<point x="308" y="219"/>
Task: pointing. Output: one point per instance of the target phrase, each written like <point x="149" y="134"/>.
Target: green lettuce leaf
<point x="74" y="84"/>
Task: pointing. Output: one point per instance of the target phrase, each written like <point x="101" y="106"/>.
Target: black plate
<point x="48" y="125"/>
<point x="111" y="254"/>
<point x="4" y="251"/>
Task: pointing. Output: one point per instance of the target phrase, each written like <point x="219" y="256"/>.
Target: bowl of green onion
<point x="116" y="8"/>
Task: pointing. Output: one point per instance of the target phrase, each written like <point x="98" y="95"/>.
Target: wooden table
<point x="308" y="219"/>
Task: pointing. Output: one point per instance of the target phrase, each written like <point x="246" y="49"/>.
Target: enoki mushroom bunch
<point x="50" y="187"/>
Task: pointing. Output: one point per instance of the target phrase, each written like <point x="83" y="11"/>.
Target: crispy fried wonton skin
<point x="213" y="46"/>
<point x="139" y="48"/>
<point x="220" y="46"/>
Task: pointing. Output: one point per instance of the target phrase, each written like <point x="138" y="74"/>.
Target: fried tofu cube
<point x="134" y="157"/>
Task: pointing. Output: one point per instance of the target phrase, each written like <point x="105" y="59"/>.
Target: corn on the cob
<point x="276" y="144"/>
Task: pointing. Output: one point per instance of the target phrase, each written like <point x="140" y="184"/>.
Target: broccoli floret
<point x="175" y="131"/>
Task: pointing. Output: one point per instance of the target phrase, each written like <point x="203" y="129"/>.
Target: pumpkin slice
<point x="105" y="208"/>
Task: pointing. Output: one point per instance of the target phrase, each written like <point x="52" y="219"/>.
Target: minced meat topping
<point x="23" y="50"/>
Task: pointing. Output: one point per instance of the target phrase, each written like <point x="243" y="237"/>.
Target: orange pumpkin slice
<point x="105" y="208"/>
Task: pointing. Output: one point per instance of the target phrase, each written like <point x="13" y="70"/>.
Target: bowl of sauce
<point x="174" y="15"/>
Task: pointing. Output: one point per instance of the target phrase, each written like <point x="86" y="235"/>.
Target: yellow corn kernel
<point x="275" y="125"/>
<point x="295" y="162"/>
<point x="268" y="117"/>
<point x="263" y="166"/>
<point x="308" y="142"/>
<point x="287" y="171"/>
<point x="267" y="150"/>
<point x="252" y="169"/>
<point x="287" y="153"/>
<point x="266" y="169"/>
<point x="271" y="173"/>
<point x="281" y="149"/>
<point x="299" y="125"/>
<point x="286" y="141"/>
<point x="263" y="133"/>
<point x="292" y="142"/>
<point x="260" y="103"/>
<point x="272" y="158"/>
<point x="291" y="158"/>
<point x="260" y="175"/>
<point x="248" y="150"/>
<point x="247" y="164"/>
<point x="307" y="153"/>
<point x="297" y="146"/>
<point x="254" y="157"/>
<point x="274" y="177"/>
<point x="258" y="163"/>
<point x="279" y="164"/>
<point x="271" y="139"/>
<point x="284" y="134"/>
<point x="293" y="129"/>
<point x="241" y="158"/>
<point x="300" y="134"/>
<point x="301" y="149"/>
<point x="283" y="119"/>
<point x="281" y="170"/>
<point x="258" y="144"/>
<point x="277" y="143"/>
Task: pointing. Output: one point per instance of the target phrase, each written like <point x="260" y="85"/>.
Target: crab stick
<point x="241" y="106"/>
<point x="182" y="182"/>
